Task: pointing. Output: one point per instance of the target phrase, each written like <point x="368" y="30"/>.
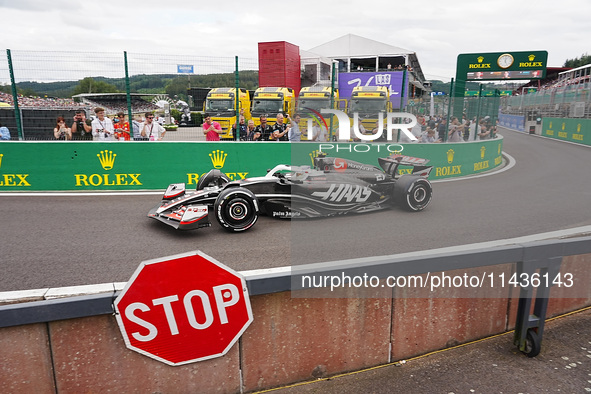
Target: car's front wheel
<point x="236" y="209"/>
<point x="413" y="192"/>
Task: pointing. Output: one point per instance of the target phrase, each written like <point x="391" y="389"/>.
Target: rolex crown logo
<point x="499" y="149"/>
<point x="218" y="158"/>
<point x="450" y="156"/>
<point x="107" y="159"/>
<point x="313" y="155"/>
<point x="578" y="131"/>
<point x="563" y="126"/>
<point x="480" y="59"/>
<point x="531" y="57"/>
<point x="482" y="152"/>
<point x="1" y="159"/>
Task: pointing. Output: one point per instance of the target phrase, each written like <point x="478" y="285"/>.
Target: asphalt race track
<point x="55" y="241"/>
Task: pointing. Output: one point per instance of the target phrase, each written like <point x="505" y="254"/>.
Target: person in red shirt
<point x="122" y="128"/>
<point x="211" y="129"/>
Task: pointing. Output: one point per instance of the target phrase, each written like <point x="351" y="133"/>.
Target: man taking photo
<point x="81" y="129"/>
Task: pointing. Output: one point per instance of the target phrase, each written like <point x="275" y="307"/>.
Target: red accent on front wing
<point x="193" y="221"/>
<point x="174" y="196"/>
<point x="174" y="215"/>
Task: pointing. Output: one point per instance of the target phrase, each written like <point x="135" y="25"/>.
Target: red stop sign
<point x="183" y="308"/>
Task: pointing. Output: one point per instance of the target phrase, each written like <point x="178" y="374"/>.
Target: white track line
<point x="81" y="194"/>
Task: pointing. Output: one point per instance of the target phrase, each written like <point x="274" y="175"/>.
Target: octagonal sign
<point x="183" y="308"/>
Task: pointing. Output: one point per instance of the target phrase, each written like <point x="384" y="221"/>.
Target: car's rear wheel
<point x="413" y="192"/>
<point x="236" y="209"/>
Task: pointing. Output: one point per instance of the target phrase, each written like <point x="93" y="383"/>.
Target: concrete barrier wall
<point x="572" y="130"/>
<point x="290" y="340"/>
<point x="576" y="130"/>
<point x="513" y="122"/>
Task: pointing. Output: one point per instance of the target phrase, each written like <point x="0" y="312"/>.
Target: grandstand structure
<point x="117" y="102"/>
<point x="563" y="94"/>
<point x="354" y="53"/>
<point x="574" y="77"/>
<point x="6" y="100"/>
<point x="38" y="114"/>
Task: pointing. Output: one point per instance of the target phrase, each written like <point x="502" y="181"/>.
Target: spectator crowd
<point x="112" y="107"/>
<point x="427" y="130"/>
<point x="39" y="102"/>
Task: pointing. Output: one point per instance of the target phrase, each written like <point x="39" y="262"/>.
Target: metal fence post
<point x="128" y="94"/>
<point x="402" y="91"/>
<point x="332" y="82"/>
<point x="529" y="328"/>
<point x="237" y="132"/>
<point x="17" y="112"/>
<point x="478" y="108"/>
<point x="451" y="96"/>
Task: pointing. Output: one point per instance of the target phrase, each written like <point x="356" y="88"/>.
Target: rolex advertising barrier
<point x="572" y="130"/>
<point x="99" y="166"/>
<point x="577" y="131"/>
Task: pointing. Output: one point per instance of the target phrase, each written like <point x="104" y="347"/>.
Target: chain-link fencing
<point x="72" y="85"/>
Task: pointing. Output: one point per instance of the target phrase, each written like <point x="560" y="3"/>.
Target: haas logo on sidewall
<point x="344" y="193"/>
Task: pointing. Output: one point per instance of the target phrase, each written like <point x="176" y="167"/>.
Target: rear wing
<point x="324" y="163"/>
<point x="388" y="164"/>
<point x="391" y="163"/>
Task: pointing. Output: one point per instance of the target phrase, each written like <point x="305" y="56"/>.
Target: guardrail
<point x="531" y="255"/>
<point x="287" y="324"/>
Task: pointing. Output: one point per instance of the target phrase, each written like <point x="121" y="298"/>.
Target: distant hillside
<point x="171" y="84"/>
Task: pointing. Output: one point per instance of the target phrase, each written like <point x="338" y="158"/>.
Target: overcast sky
<point x="436" y="30"/>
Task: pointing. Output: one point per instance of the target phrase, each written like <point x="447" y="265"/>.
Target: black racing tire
<point x="236" y="209"/>
<point x="413" y="192"/>
<point x="533" y="344"/>
<point x="212" y="179"/>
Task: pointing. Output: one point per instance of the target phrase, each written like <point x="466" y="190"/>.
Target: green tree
<point x="177" y="87"/>
<point x="89" y="85"/>
<point x="27" y="92"/>
<point x="5" y="88"/>
<point x="578" y="62"/>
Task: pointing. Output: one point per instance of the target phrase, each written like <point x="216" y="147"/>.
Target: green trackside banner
<point x="574" y="130"/>
<point x="129" y="165"/>
<point x="99" y="166"/>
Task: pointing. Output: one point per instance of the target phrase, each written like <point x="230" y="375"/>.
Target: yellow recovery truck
<point x="313" y="99"/>
<point x="271" y="101"/>
<point x="368" y="102"/>
<point x="221" y="105"/>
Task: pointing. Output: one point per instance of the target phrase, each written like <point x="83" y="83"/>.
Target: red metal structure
<point x="279" y="65"/>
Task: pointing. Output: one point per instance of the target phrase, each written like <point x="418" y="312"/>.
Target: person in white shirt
<point x="416" y="131"/>
<point x="152" y="130"/>
<point x="319" y="134"/>
<point x="102" y="126"/>
<point x="294" y="134"/>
